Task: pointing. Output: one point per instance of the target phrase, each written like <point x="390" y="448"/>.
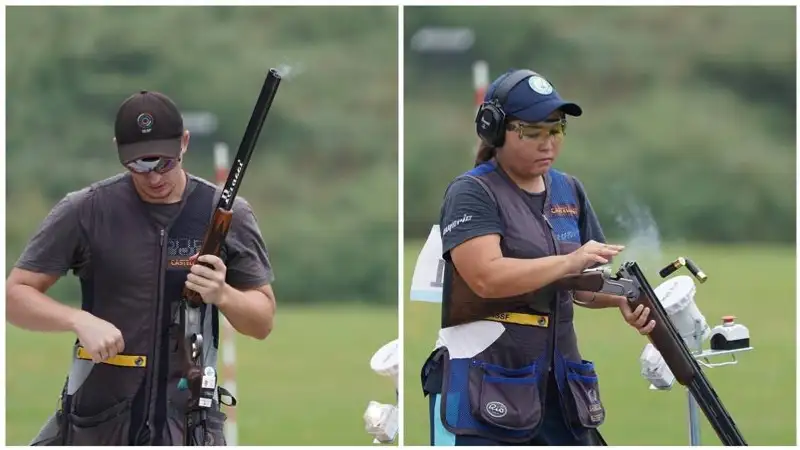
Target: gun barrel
<point x="249" y="139"/>
<point x="682" y="363"/>
<point x="715" y="411"/>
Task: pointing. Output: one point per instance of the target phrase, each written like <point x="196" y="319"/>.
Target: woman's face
<point x="531" y="148"/>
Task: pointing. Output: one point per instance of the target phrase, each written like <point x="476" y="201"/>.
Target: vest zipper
<point x="156" y="339"/>
<point x="554" y="312"/>
<point x="562" y="403"/>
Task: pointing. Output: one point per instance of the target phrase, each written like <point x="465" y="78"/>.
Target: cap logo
<point x="145" y="122"/>
<point x="540" y="85"/>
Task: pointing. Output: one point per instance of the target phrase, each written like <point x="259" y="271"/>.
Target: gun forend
<point x="212" y="244"/>
<point x="664" y="336"/>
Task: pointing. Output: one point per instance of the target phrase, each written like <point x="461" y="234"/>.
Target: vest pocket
<point x="210" y="432"/>
<point x="215" y="428"/>
<point x="51" y="433"/>
<point x="109" y="427"/>
<point x="583" y="385"/>
<point x="505" y="398"/>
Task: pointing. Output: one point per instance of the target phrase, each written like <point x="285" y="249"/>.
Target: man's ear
<point x="184" y="142"/>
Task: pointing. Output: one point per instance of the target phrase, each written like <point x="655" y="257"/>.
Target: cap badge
<point x="540" y="85"/>
<point x="145" y="122"/>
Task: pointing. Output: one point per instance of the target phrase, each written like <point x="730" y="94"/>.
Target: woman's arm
<point x="491" y="275"/>
<point x="471" y="232"/>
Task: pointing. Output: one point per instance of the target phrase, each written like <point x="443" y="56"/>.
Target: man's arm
<point x="52" y="252"/>
<point x="250" y="312"/>
<point x="248" y="300"/>
<point x="29" y="308"/>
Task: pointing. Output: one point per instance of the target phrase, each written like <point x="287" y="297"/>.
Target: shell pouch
<point x="505" y="398"/>
<point x="585" y="391"/>
<point x="109" y="427"/>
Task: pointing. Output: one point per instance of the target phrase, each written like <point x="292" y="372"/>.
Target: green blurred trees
<point x="323" y="180"/>
<point x="688" y="111"/>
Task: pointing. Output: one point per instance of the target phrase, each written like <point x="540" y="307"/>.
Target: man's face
<point x="158" y="185"/>
<point x="157" y="178"/>
<point x="531" y="148"/>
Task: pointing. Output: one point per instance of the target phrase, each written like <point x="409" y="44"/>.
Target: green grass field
<point x="306" y="384"/>
<point x="756" y="284"/>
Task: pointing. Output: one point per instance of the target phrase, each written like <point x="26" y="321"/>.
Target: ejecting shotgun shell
<point x="699" y="274"/>
<point x="672" y="267"/>
<point x="680" y="262"/>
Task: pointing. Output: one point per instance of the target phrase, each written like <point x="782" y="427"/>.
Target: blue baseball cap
<point x="532" y="99"/>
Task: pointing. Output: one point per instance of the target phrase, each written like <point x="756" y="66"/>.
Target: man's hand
<point x="209" y="283"/>
<point x="101" y="339"/>
<point x="637" y="318"/>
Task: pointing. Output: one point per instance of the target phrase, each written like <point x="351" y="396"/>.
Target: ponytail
<point x="485" y="153"/>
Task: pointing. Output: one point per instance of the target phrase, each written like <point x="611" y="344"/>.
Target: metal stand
<point x="702" y="357"/>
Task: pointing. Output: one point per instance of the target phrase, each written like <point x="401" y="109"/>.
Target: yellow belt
<point x="534" y="320"/>
<point x="117" y="360"/>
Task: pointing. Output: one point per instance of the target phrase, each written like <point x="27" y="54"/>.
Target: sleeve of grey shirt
<point x="467" y="212"/>
<point x="588" y="222"/>
<point x="247" y="257"/>
<point x="57" y="246"/>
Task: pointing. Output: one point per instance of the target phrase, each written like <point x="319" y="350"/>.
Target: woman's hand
<point x="637" y="318"/>
<point x="592" y="253"/>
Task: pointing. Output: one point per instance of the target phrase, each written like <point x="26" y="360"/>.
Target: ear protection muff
<point x="490" y="121"/>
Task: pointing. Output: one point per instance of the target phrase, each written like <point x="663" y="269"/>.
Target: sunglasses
<point x="540" y="130"/>
<point x="152" y="164"/>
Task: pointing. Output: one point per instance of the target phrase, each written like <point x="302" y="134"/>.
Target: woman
<point x="507" y="369"/>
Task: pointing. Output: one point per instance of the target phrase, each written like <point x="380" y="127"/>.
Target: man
<point x="132" y="240"/>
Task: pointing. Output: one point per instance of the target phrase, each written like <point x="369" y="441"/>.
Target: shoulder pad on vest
<point x="557" y="176"/>
<point x="113" y="180"/>
<point x="474" y="174"/>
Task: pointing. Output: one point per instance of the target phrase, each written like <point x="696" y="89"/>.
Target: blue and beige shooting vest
<point x="500" y="392"/>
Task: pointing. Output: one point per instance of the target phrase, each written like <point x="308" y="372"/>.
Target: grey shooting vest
<point x="500" y="393"/>
<point x="137" y="273"/>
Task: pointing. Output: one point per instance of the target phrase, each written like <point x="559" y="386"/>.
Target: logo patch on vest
<point x="564" y="218"/>
<point x="496" y="409"/>
<point x="179" y="250"/>
<point x="564" y="210"/>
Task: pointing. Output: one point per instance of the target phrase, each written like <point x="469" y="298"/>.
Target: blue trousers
<point x="553" y="430"/>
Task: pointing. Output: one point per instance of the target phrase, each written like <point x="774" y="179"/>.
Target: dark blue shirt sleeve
<point x="467" y="212"/>
<point x="588" y="222"/>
